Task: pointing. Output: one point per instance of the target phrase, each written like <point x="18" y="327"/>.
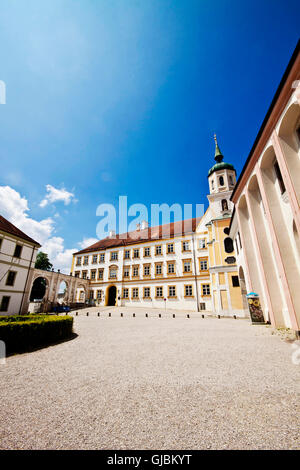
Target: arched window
<point x="221" y="181"/>
<point x="224" y="205"/>
<point x="231" y="181"/>
<point x="228" y="244"/>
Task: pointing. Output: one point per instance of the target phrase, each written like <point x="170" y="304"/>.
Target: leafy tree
<point x="42" y="262"/>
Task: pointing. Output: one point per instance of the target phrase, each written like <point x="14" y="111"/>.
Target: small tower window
<point x="224" y="205"/>
<point x="279" y="177"/>
<point x="221" y="181"/>
<point x="212" y="185"/>
<point x="231" y="182"/>
<point x="228" y="245"/>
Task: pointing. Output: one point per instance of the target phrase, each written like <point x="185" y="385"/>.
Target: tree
<point x="42" y="262"/>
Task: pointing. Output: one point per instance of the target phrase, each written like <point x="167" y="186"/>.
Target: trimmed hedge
<point x="24" y="333"/>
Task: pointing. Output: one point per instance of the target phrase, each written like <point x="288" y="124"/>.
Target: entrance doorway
<point x="112" y="294"/>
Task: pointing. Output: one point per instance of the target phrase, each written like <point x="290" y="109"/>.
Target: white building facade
<point x="17" y="258"/>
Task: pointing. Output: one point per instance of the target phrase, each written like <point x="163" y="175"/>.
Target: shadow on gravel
<point x="42" y="346"/>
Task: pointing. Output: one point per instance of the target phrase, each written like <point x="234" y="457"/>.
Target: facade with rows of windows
<point x="17" y="258"/>
<point x="183" y="265"/>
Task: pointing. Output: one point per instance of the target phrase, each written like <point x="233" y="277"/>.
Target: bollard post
<point x="173" y="315"/>
<point x="76" y="314"/>
<point x="109" y="314"/>
<point x="202" y="316"/>
<point x="219" y="316"/>
<point x="234" y="316"/>
<point x="146" y="315"/>
<point x="187" y="316"/>
<point x="98" y="314"/>
<point x="121" y="314"/>
<point x="159" y="315"/>
<point x="133" y="314"/>
<point x="87" y="314"/>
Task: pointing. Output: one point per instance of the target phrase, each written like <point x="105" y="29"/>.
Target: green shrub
<point x="23" y="333"/>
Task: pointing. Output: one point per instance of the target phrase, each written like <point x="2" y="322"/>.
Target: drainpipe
<point x="195" y="269"/>
<point x="29" y="267"/>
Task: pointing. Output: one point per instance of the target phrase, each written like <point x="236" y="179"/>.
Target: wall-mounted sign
<point x="230" y="259"/>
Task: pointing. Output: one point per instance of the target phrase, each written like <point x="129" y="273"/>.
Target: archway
<point x="39" y="289"/>
<point x="111" y="294"/>
<point x="62" y="292"/>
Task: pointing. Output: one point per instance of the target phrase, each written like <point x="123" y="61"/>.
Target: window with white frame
<point x="159" y="291"/>
<point x="100" y="274"/>
<point x="78" y="261"/>
<point x="202" y="243"/>
<point x="186" y="246"/>
<point x="187" y="266"/>
<point x="84" y="274"/>
<point x="135" y="271"/>
<point x="125" y="293"/>
<point x="113" y="255"/>
<point x="147" y="251"/>
<point x="86" y="260"/>
<point x="99" y="294"/>
<point x="158" y="250"/>
<point x="93" y="274"/>
<point x="147" y="270"/>
<point x="126" y="272"/>
<point x="146" y="292"/>
<point x="112" y="273"/>
<point x="205" y="289"/>
<point x="136" y="253"/>
<point x="203" y="265"/>
<point x="171" y="268"/>
<point x="188" y="291"/>
<point x="95" y="258"/>
<point x="102" y="257"/>
<point x="127" y="254"/>
<point x="158" y="269"/>
<point x="135" y="293"/>
<point x="170" y="248"/>
<point x="172" y="291"/>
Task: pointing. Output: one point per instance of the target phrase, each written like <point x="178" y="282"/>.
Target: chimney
<point x="112" y="234"/>
<point x="144" y="225"/>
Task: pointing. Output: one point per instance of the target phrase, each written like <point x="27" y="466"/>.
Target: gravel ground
<point x="153" y="383"/>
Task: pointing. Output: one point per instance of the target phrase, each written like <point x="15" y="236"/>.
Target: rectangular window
<point x="4" y="303"/>
<point x="147" y="251"/>
<point x="136" y="253"/>
<point x="235" y="281"/>
<point x="159" y="291"/>
<point x="203" y="265"/>
<point x="146" y="292"/>
<point x="81" y="294"/>
<point x="125" y="293"/>
<point x="126" y="272"/>
<point x="202" y="306"/>
<point x="77" y="273"/>
<point x="135" y="293"/>
<point x="158" y="250"/>
<point x="240" y="240"/>
<point x="99" y="294"/>
<point x="78" y="261"/>
<point x="185" y="246"/>
<point x="187" y="267"/>
<point x="113" y="273"/>
<point x="172" y="291"/>
<point x="93" y="274"/>
<point x="84" y="274"/>
<point x="202" y="243"/>
<point x="100" y="274"/>
<point x="170" y="248"/>
<point x="205" y="289"/>
<point x="86" y="260"/>
<point x="18" y="251"/>
<point x="171" y="268"/>
<point x="188" y="291"/>
<point x="147" y="270"/>
<point x="102" y="257"/>
<point x="158" y="269"/>
<point x="279" y="178"/>
<point x="135" y="271"/>
<point x="11" y="276"/>
<point x="95" y="258"/>
<point x="127" y="254"/>
<point x="237" y="246"/>
<point x="113" y="255"/>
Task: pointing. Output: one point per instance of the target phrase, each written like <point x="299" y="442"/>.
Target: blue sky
<point x="122" y="97"/>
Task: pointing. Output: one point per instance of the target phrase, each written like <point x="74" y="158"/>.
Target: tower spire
<point x="218" y="154"/>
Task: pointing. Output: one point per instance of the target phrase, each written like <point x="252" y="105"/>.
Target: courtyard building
<point x="18" y="253"/>
<point x="187" y="264"/>
<point x="265" y="225"/>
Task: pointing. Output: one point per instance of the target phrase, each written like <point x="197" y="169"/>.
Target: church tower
<point x="226" y="293"/>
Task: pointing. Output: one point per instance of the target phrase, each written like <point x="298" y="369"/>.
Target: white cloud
<point x="15" y="208"/>
<point x="87" y="242"/>
<point x="56" y="195"/>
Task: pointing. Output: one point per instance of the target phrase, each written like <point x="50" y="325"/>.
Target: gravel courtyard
<point x="153" y="383"/>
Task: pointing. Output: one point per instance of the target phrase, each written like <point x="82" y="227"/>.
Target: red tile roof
<point x="149" y="234"/>
<point x="8" y="227"/>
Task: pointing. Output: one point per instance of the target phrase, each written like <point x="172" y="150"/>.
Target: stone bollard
<point x="133" y="314"/>
<point x="109" y="314"/>
<point x="234" y="316"/>
<point x="202" y="316"/>
<point x="121" y="314"/>
<point x="219" y="316"/>
<point x="146" y="315"/>
<point x="187" y="316"/>
<point x="159" y="315"/>
<point x="76" y="314"/>
<point x="87" y="314"/>
<point x="98" y="314"/>
<point x="173" y="315"/>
